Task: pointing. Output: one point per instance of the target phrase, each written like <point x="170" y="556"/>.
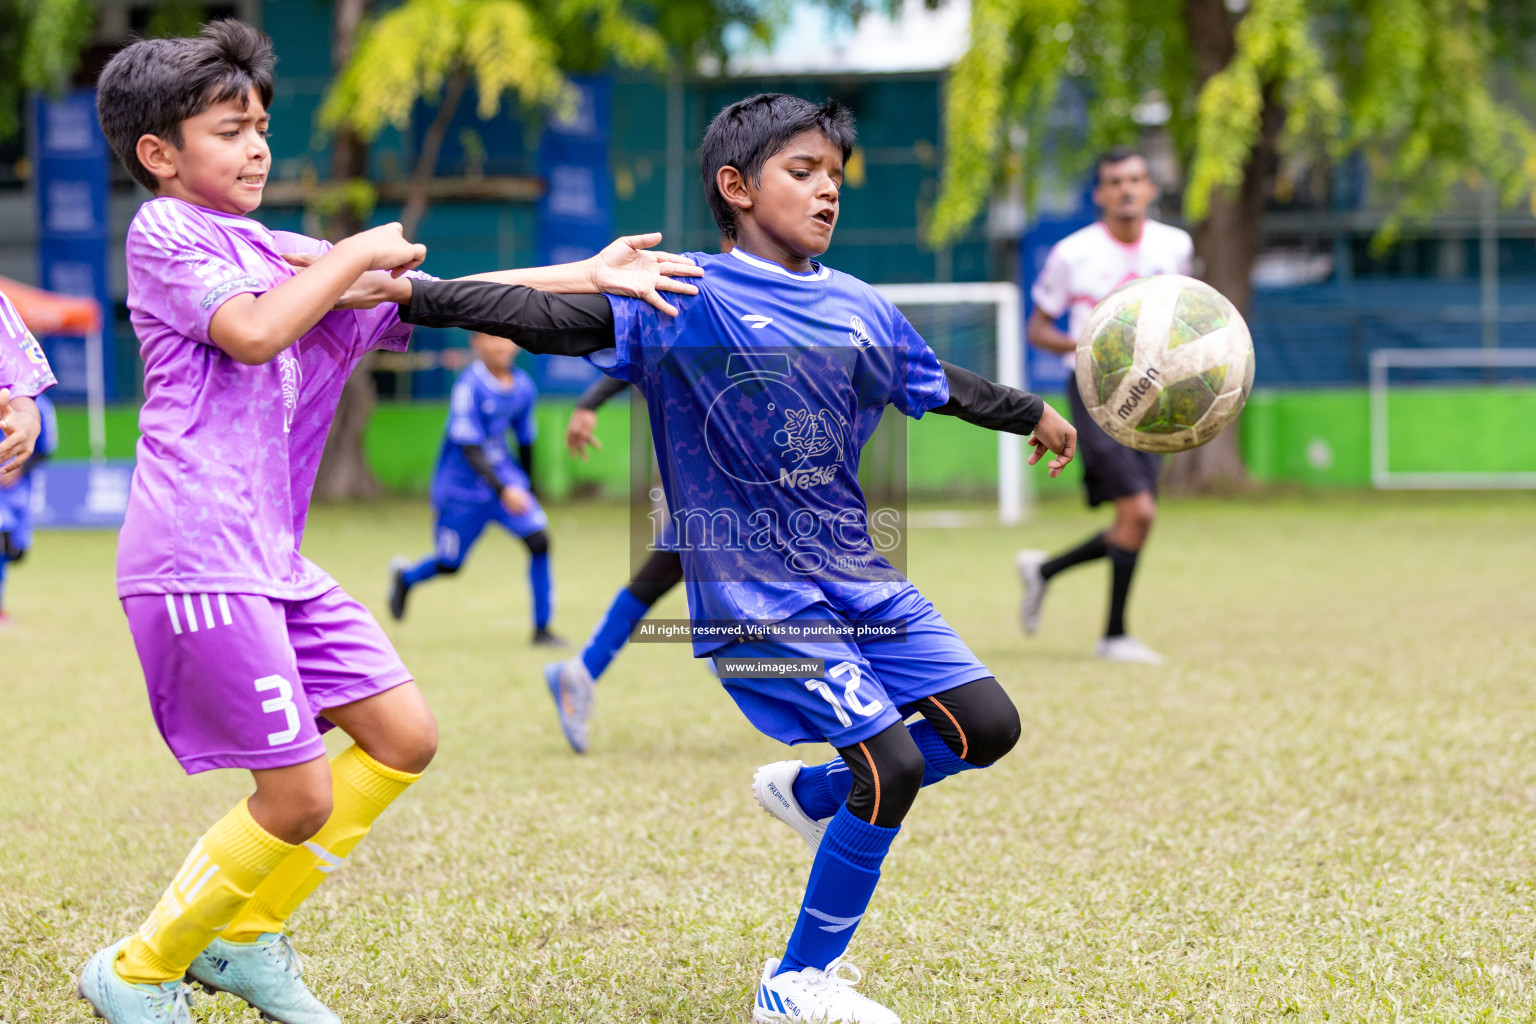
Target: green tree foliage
<point x="523" y="50"/>
<point x="1413" y="84"/>
<point x="42" y="41"/>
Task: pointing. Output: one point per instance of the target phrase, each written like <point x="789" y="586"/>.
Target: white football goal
<point x="979" y="326"/>
<point x="1452" y="419"/>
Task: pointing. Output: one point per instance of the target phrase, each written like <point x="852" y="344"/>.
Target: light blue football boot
<point x="571" y="686"/>
<point x="266" y="973"/>
<point x="124" y="1002"/>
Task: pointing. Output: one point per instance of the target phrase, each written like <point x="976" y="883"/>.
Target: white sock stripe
<point x="839" y="767"/>
<point x="170" y="606"/>
<point x="191" y="866"/>
<point x="213" y="869"/>
<point x="329" y="861"/>
<point x="186" y="602"/>
<point x="207" y="612"/>
<point x="224" y="609"/>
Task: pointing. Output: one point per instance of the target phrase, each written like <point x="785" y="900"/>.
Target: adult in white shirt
<point x="1081" y="270"/>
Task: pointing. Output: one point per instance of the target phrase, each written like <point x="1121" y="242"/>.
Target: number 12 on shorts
<point x="850" y="675"/>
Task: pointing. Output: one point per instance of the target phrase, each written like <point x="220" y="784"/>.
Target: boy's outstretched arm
<point x="986" y="403"/>
<point x="253" y="329"/>
<point x="627" y="266"/>
<point x="542" y="322"/>
<point x="624" y="267"/>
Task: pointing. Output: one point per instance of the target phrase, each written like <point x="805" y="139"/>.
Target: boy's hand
<point x="371" y="288"/>
<point x="514" y="499"/>
<point x="580" y="433"/>
<point x="22" y="425"/>
<point x="629" y="267"/>
<point x="385" y="248"/>
<point x="1053" y="433"/>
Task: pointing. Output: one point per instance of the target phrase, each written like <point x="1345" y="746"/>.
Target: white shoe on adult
<point x="812" y="996"/>
<point x="1028" y="564"/>
<point x="1127" y="648"/>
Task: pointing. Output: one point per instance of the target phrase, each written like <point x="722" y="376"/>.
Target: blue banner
<point x="67" y="493"/>
<point x="70" y="161"/>
<point x="575" y="216"/>
<point x="1045" y="371"/>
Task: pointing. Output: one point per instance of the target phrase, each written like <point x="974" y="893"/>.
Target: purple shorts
<point x="240" y="680"/>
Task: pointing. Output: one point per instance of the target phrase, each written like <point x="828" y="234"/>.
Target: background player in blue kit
<point x="571" y="681"/>
<point x="478" y="482"/>
<point x="762" y="389"/>
<point x="16" y="497"/>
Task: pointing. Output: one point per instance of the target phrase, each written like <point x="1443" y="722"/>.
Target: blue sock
<point x="610" y="636"/>
<point x="543" y="590"/>
<point x="421" y="571"/>
<point x="843" y="878"/>
<point x="3" y="563"/>
<point x="821" y="789"/>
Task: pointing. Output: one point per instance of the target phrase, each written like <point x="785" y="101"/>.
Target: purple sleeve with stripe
<point x="183" y="271"/>
<point x="23" y="367"/>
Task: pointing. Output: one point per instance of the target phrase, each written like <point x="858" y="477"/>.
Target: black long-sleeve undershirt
<point x="476" y="457"/>
<point x="577" y="325"/>
<point x="599" y="392"/>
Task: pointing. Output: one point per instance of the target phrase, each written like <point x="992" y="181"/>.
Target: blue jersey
<point x="16" y="500"/>
<point x="761" y="394"/>
<point x="483" y="411"/>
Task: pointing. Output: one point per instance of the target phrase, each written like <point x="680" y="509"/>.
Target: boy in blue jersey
<point x="477" y="482"/>
<point x="762" y="389"/>
<point x="16" y="498"/>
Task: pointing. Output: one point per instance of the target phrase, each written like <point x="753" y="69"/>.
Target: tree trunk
<point x="1227" y="241"/>
<point x="344" y="471"/>
<point x="432" y="145"/>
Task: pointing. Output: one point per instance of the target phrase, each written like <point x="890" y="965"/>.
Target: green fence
<point x="1319" y="438"/>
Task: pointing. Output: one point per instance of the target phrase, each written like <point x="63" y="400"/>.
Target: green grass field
<point x="1322" y="810"/>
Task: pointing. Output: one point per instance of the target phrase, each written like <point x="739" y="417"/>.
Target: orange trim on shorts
<point x="965" y="744"/>
<point x="876" y="773"/>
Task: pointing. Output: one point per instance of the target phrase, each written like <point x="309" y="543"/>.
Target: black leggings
<point x="660" y="573"/>
<point x="977" y="721"/>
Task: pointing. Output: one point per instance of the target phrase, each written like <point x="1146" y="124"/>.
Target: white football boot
<point x="124" y="1002"/>
<point x="1028" y="564"/>
<point x="810" y="996"/>
<point x="1128" y="649"/>
<point x="773" y="786"/>
<point x="574" y="693"/>
<point x="267" y="974"/>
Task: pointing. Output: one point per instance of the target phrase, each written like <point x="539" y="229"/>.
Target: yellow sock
<point x="216" y="880"/>
<point x="360" y="790"/>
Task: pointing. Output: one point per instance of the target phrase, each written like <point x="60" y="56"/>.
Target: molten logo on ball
<point x="1164" y="363"/>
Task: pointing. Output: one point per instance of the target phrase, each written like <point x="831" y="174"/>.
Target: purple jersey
<point x="23" y="367"/>
<point x="228" y="455"/>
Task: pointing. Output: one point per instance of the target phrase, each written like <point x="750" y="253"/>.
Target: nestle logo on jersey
<point x="803" y="478"/>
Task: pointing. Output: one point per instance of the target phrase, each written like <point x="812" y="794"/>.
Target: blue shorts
<point x="459" y="526"/>
<point x="866" y="686"/>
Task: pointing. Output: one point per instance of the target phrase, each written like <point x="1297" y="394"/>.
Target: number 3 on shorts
<point x="849" y="673"/>
<point x="282" y="702"/>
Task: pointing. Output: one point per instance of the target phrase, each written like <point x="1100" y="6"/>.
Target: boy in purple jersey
<point x="250" y="650"/>
<point x="24" y="374"/>
<point x="761" y="393"/>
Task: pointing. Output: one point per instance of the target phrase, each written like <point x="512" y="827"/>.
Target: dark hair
<point x="1118" y="155"/>
<point x="746" y="133"/>
<point x="151" y="86"/>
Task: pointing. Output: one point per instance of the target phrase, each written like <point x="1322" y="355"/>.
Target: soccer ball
<point x="1164" y="363"/>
